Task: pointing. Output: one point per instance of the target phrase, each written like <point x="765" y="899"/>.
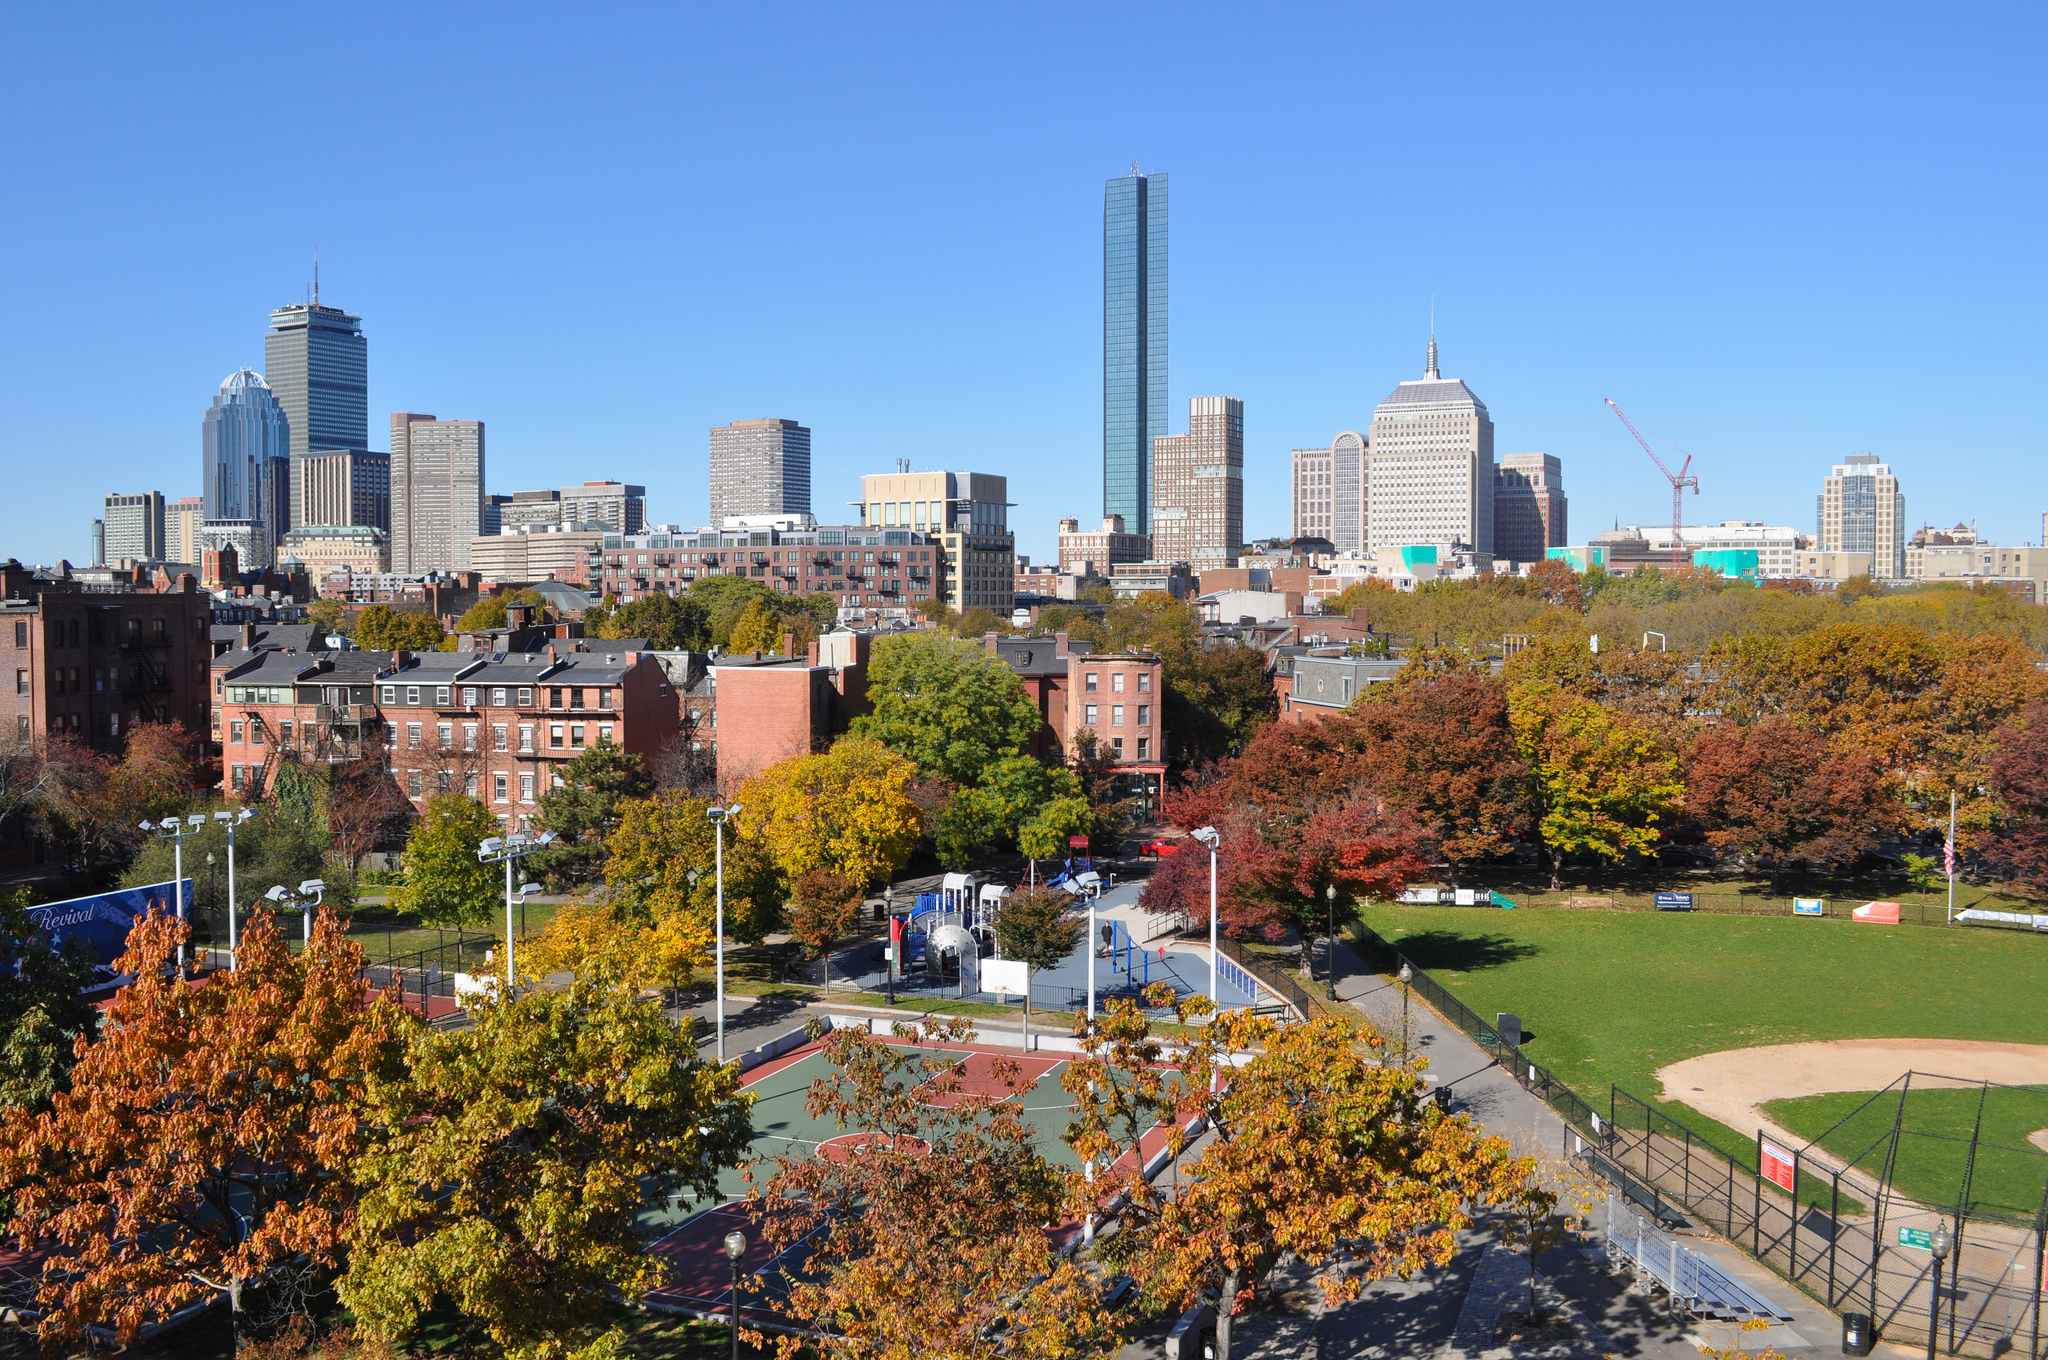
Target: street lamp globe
<point x="735" y="1245"/>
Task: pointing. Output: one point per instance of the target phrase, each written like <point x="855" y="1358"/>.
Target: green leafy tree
<point x="1603" y="784"/>
<point x="513" y="1160"/>
<point x="1013" y="791"/>
<point x="724" y="599"/>
<point x="1216" y="699"/>
<point x="380" y="628"/>
<point x="445" y="884"/>
<point x="586" y="809"/>
<point x="1047" y="832"/>
<point x="484" y="614"/>
<point x="40" y="1010"/>
<point x="668" y="622"/>
<point x="328" y="614"/>
<point x="952" y="708"/>
<point x="1035" y="928"/>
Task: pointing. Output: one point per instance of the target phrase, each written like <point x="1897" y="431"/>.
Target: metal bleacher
<point x="1688" y="1277"/>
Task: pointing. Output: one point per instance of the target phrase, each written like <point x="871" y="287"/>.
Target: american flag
<point x="1948" y="855"/>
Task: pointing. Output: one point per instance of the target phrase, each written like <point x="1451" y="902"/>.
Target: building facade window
<point x="412" y="736"/>
<point x="1144" y="715"/>
<point x="412" y="694"/>
<point x="237" y="775"/>
<point x="441" y="696"/>
<point x="1144" y="748"/>
<point x="469" y="696"/>
<point x="1116" y="715"/>
<point x="469" y="783"/>
<point x="497" y="736"/>
<point x="1090" y="682"/>
<point x="235" y="732"/>
<point x="526" y="787"/>
<point x="604" y="733"/>
<point x="1088" y="715"/>
<point x="525" y="697"/>
<point x="576" y="735"/>
<point x="412" y="783"/>
<point x="469" y="736"/>
<point x="526" y="736"/>
<point x="1116" y="682"/>
<point x="555" y="736"/>
<point x="499" y="787"/>
<point x="446" y="781"/>
<point x="1116" y="747"/>
<point x="498" y="697"/>
<point x="446" y="733"/>
<point x="1144" y="682"/>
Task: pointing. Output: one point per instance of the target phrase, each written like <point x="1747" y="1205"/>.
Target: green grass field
<point x="2010" y="1173"/>
<point x="1610" y="997"/>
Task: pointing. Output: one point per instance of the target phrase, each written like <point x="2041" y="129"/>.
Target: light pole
<point x="1937" y="1244"/>
<point x="1207" y="836"/>
<point x="735" y="1252"/>
<point x="1092" y="947"/>
<point x="231" y="820"/>
<point x="504" y="850"/>
<point x="296" y="901"/>
<point x="1330" y="992"/>
<point x="173" y="830"/>
<point x="719" y="817"/>
<point x="1407" y="975"/>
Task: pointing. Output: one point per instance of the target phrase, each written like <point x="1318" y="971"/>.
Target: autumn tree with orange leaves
<point x="197" y="1147"/>
<point x="931" y="1222"/>
<point x="1316" y="1147"/>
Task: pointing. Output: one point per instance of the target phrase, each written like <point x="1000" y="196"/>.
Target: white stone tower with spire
<point x="1429" y="465"/>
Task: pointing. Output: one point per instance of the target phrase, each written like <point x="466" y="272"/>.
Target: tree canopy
<point x="585" y="808"/>
<point x="379" y="628"/>
<point x="848" y="810"/>
<point x="946" y="704"/>
<point x="445" y="884"/>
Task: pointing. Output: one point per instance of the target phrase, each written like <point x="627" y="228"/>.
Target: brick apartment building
<point x="752" y="711"/>
<point x="1115" y="695"/>
<point x="859" y="566"/>
<point x="495" y="726"/>
<point x="92" y="664"/>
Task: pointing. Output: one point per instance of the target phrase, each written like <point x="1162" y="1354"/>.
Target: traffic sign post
<point x="1920" y="1239"/>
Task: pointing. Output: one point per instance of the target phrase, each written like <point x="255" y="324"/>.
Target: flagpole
<point x="1950" y="855"/>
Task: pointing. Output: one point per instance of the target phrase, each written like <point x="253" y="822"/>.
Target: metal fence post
<point x="1834" y="1231"/>
<point x="1756" y="1221"/>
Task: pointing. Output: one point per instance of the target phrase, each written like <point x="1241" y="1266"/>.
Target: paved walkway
<point x="1452" y="1311"/>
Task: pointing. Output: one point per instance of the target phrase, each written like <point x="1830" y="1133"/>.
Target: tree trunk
<point x="1224" y="1303"/>
<point x="1534" y="1316"/>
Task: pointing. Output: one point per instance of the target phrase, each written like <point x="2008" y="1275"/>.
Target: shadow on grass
<point x="1453" y="951"/>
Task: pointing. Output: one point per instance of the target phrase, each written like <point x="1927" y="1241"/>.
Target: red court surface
<point x="700" y="1274"/>
<point x="976" y="1076"/>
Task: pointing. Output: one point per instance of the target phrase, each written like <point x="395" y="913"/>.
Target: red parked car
<point x="1161" y="847"/>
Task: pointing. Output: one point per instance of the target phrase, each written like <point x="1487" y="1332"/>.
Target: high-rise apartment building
<point x="1528" y="506"/>
<point x="345" y="486"/>
<point x="437" y="491"/>
<point x="1094" y="552"/>
<point x="1429" y="465"/>
<point x="134" y="528"/>
<point x="530" y="510"/>
<point x="1861" y="509"/>
<point x="759" y="467"/>
<point x="1329" y="492"/>
<point x="245" y="453"/>
<point x="182" y="519"/>
<point x="1133" y="343"/>
<point x="318" y="366"/>
<point x="1198" y="486"/>
<point x="969" y="513"/>
<point x="623" y="509"/>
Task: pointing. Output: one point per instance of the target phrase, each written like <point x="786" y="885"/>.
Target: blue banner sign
<point x="101" y="922"/>
<point x="1674" y="901"/>
<point x="1809" y="906"/>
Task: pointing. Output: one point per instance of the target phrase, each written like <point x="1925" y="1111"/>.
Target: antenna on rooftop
<point x="316" y="273"/>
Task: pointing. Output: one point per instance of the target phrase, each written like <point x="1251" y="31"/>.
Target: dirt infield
<point x="1733" y="1085"/>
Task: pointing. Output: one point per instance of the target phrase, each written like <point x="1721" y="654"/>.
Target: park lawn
<point x="1610" y="997"/>
<point x="385" y="934"/>
<point x="2010" y="1175"/>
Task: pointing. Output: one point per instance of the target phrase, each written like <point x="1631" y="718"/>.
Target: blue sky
<point x="1774" y="234"/>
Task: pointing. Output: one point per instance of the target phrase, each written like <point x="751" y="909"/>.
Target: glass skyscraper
<point x="318" y="365"/>
<point x="245" y="444"/>
<point x="1133" y="343"/>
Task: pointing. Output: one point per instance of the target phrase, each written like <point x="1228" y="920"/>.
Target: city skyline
<point x="893" y="313"/>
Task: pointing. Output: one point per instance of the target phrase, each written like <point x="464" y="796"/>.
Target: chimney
<point x="1059" y="644"/>
<point x="248" y="636"/>
<point x="811" y="653"/>
<point x="988" y="642"/>
<point x="789" y="645"/>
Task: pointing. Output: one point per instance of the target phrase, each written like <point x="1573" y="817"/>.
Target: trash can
<point x="1856" y="1337"/>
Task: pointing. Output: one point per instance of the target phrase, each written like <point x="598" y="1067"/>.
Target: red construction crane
<point x="1679" y="482"/>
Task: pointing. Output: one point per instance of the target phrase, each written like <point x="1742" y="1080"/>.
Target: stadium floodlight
<point x="505" y="850"/>
<point x="279" y="894"/>
<point x="148" y="826"/>
<point x="491" y="846"/>
<point x="1207" y="836"/>
<point x="196" y="819"/>
<point x="312" y="887"/>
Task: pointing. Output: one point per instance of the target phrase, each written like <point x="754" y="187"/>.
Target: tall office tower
<point x="318" y="365"/>
<point x="99" y="543"/>
<point x="969" y="511"/>
<point x="1198" y="486"/>
<point x="182" y="518"/>
<point x="1329" y="492"/>
<point x="345" y="486"/>
<point x="1861" y="510"/>
<point x="1133" y="343"/>
<point x="1429" y="465"/>
<point x="623" y="509"/>
<point x="1528" y="506"/>
<point x="759" y="467"/>
<point x="492" y="521"/>
<point x="437" y="492"/>
<point x="134" y="527"/>
<point x="245" y="450"/>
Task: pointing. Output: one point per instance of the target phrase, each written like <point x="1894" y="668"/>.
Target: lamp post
<point x="719" y="817"/>
<point x="284" y="897"/>
<point x="890" y="962"/>
<point x="1938" y="1244"/>
<point x="1207" y="836"/>
<point x="1330" y="991"/>
<point x="504" y="850"/>
<point x="1407" y="975"/>
<point x="173" y="830"/>
<point x="231" y="820"/>
<point x="735" y="1252"/>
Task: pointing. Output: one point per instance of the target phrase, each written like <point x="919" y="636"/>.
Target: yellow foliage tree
<point x="758" y="629"/>
<point x="848" y="810"/>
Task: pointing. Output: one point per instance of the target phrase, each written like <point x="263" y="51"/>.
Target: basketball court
<point x="700" y="1274"/>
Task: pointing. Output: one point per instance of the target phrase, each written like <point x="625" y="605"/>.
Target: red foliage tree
<point x="2019" y="776"/>
<point x="1441" y="749"/>
<point x="1774" y="793"/>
